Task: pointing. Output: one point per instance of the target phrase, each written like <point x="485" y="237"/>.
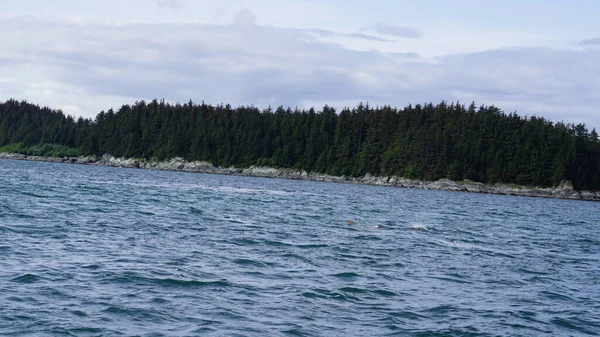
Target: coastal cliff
<point x="564" y="191"/>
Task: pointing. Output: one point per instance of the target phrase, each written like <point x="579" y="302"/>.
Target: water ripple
<point x="95" y="251"/>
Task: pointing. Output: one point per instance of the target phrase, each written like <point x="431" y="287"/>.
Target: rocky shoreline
<point x="565" y="191"/>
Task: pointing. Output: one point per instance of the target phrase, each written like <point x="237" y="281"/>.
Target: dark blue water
<point x="95" y="251"/>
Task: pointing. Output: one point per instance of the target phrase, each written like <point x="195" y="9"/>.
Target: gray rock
<point x="267" y="172"/>
<point x="445" y="185"/>
<point x="564" y="191"/>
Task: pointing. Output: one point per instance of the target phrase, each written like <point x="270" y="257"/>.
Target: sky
<point x="535" y="57"/>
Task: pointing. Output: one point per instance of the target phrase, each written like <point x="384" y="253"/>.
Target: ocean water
<point x="97" y="251"/>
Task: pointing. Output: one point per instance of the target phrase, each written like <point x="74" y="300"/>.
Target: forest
<point x="428" y="141"/>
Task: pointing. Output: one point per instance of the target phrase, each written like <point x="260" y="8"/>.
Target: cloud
<point x="367" y="37"/>
<point x="92" y="66"/>
<point x="333" y="34"/>
<point x="171" y="4"/>
<point x="245" y="18"/>
<point x="397" y="31"/>
<point x="407" y="55"/>
<point x="557" y="84"/>
<point x="590" y="42"/>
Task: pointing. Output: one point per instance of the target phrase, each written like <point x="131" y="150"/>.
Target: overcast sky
<point x="536" y="57"/>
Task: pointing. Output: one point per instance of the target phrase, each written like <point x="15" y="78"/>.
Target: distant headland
<point x="448" y="146"/>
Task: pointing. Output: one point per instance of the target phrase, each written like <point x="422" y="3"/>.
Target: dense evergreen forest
<point x="422" y="142"/>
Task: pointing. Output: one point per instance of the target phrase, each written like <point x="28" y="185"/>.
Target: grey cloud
<point x="245" y="17"/>
<point x="171" y="4"/>
<point x="408" y="55"/>
<point x="590" y="42"/>
<point x="367" y="37"/>
<point x="556" y="84"/>
<point x="229" y="63"/>
<point x="333" y="35"/>
<point x="397" y="31"/>
<point x="97" y="66"/>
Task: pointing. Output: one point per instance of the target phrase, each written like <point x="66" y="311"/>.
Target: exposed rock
<point x="564" y="191"/>
<point x="445" y="185"/>
<point x="267" y="172"/>
<point x="475" y="187"/>
<point x="199" y="166"/>
<point x="587" y="195"/>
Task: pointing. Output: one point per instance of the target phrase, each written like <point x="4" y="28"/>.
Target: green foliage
<point x="454" y="171"/>
<point x="422" y="142"/>
<point x="13" y="148"/>
<point x="44" y="150"/>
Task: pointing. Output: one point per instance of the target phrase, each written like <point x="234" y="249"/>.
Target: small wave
<point x="297" y="257"/>
<point x="275" y="243"/>
<point x="87" y="187"/>
<point x="243" y="242"/>
<point x="329" y="295"/>
<point x="443" y="309"/>
<point x="79" y="313"/>
<point x="465" y="245"/>
<point x="296" y="332"/>
<point x="145" y="314"/>
<point x="86" y="331"/>
<point x="353" y="290"/>
<point x="25" y="216"/>
<point x="589" y="241"/>
<point x="248" y="262"/>
<point x="555" y="296"/>
<point x="169" y="282"/>
<point x="346" y="275"/>
<point x="463" y="332"/>
<point x="240" y="221"/>
<point x="191" y="283"/>
<point x="26" y="278"/>
<point x="419" y="227"/>
<point x="98" y="210"/>
<point x="385" y="293"/>
<point x="92" y="266"/>
<point x="241" y="190"/>
<point x="451" y="279"/>
<point x="541" y="279"/>
<point x="152" y="201"/>
<point x="195" y="210"/>
<point x="35" y="195"/>
<point x="408" y="315"/>
<point x="7" y="229"/>
<point x="204" y="331"/>
<point x="531" y="272"/>
<point x="572" y="324"/>
<point x="368" y="237"/>
<point x="504" y="282"/>
<point x="314" y="245"/>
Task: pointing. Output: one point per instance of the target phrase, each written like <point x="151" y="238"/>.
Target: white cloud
<point x="590" y="42"/>
<point x="397" y="31"/>
<point x="333" y="35"/>
<point x="91" y="66"/>
<point x="245" y="18"/>
<point x="171" y="4"/>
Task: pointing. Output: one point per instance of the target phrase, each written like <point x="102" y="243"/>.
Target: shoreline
<point x="564" y="191"/>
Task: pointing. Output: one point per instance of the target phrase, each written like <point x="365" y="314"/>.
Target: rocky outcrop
<point x="564" y="191"/>
<point x="266" y="172"/>
<point x="446" y="185"/>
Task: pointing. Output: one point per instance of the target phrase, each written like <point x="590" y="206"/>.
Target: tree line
<point x="429" y="142"/>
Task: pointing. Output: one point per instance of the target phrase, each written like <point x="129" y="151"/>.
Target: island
<point x="446" y="146"/>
